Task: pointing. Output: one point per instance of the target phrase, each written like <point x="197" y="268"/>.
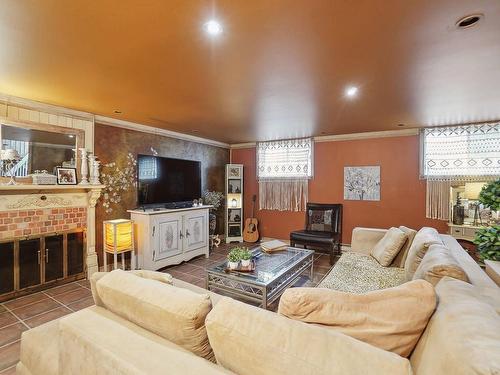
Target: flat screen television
<point x="167" y="182"/>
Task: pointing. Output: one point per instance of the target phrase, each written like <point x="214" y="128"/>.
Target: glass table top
<point x="268" y="266"/>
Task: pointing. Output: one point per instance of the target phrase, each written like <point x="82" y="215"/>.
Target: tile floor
<point x="21" y="314"/>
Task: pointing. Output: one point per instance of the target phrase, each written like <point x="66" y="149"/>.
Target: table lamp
<point x="118" y="239"/>
<point x="9" y="158"/>
<point x="472" y="190"/>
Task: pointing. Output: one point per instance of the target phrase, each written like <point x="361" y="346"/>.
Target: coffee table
<point x="273" y="274"/>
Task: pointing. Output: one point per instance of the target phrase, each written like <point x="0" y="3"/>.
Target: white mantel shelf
<point x="29" y="187"/>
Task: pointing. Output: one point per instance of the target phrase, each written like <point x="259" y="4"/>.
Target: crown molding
<point x="347" y="137"/>
<point x="368" y="135"/>
<point x="44" y="107"/>
<point x="157" y="131"/>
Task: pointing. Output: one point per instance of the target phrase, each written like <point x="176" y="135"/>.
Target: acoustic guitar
<point x="251" y="231"/>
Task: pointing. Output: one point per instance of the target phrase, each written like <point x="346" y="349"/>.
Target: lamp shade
<point x="118" y="235"/>
<point x="9" y="154"/>
<point x="472" y="190"/>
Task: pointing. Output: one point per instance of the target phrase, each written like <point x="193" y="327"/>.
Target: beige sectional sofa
<point x="462" y="336"/>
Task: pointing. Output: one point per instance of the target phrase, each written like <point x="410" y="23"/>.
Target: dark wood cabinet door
<point x="53" y="254"/>
<point x="29" y="263"/>
<point x="6" y="267"/>
<point x="75" y="253"/>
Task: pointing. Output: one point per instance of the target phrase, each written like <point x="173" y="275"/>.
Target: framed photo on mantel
<point x="66" y="176"/>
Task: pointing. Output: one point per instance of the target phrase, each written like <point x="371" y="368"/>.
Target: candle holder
<point x="84" y="170"/>
<point x="9" y="158"/>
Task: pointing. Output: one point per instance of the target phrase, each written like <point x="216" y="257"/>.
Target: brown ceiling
<point x="278" y="71"/>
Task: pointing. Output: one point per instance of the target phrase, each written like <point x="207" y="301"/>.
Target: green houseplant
<point x="233" y="258"/>
<point x="488" y="242"/>
<point x="490" y="195"/>
<point x="246" y="257"/>
<point x="487" y="238"/>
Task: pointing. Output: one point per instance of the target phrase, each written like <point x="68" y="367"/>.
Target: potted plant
<point x="215" y="199"/>
<point x="490" y="196"/>
<point x="488" y="242"/>
<point x="233" y="258"/>
<point x="246" y="257"/>
<point x="488" y="238"/>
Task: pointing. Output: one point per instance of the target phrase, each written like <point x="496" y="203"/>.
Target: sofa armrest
<point x="364" y="239"/>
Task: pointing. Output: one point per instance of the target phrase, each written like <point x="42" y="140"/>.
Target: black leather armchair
<point x="323" y="229"/>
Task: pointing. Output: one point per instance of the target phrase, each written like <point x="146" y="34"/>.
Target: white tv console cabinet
<point x="165" y="237"/>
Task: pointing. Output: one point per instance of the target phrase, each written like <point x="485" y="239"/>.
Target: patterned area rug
<point x="358" y="273"/>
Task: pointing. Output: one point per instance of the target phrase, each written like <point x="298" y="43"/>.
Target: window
<point x="460" y="152"/>
<point x="283" y="170"/>
<point x="286" y="159"/>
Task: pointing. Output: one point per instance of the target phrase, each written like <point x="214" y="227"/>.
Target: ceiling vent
<point x="469" y="21"/>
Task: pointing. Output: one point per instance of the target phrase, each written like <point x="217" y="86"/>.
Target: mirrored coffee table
<point x="273" y="274"/>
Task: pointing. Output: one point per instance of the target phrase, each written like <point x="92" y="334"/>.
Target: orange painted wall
<point x="402" y="192"/>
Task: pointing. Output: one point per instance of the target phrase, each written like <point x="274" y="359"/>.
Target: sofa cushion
<point x="252" y="341"/>
<point x="96" y="341"/>
<point x="391" y="319"/>
<point x="463" y="335"/>
<point x="437" y="263"/>
<point x="389" y="246"/>
<point x="423" y="239"/>
<point x="40" y="348"/>
<point x="358" y="273"/>
<point x="176" y="314"/>
<point x="399" y="260"/>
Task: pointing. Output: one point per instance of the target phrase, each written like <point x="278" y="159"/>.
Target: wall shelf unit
<point x="234" y="203"/>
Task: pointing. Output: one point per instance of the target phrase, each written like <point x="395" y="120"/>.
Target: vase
<point x="245" y="262"/>
<point x="212" y="220"/>
<point x="232" y="265"/>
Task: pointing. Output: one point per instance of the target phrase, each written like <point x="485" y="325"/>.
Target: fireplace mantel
<point x="30" y="187"/>
<point x="39" y="197"/>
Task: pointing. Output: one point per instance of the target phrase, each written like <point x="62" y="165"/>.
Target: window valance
<point x="461" y="152"/>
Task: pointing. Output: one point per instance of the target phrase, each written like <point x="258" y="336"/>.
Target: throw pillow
<point x="389" y="246"/>
<point x="320" y="220"/>
<point x="437" y="263"/>
<point x="424" y="238"/>
<point x="400" y="259"/>
<point x="391" y="319"/>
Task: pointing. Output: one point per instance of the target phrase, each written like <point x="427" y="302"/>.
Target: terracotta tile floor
<point x="21" y="314"/>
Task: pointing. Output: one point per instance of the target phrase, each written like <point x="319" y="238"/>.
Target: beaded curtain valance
<point x="464" y="152"/>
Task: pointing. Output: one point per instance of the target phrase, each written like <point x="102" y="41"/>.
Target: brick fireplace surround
<point x="20" y="223"/>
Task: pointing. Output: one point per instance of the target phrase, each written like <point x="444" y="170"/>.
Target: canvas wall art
<point x="362" y="183"/>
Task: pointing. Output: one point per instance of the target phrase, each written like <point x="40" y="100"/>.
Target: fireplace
<point x="47" y="236"/>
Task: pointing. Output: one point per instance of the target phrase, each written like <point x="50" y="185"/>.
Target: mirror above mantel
<point x="40" y="147"/>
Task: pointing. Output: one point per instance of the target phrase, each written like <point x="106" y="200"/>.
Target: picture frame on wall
<point x="362" y="183"/>
<point x="66" y="176"/>
<point x="234" y="186"/>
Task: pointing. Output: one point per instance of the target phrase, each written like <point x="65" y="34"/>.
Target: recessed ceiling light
<point x="468" y="21"/>
<point x="213" y="28"/>
<point x="71" y="135"/>
<point x="117" y="111"/>
<point x="351" y="91"/>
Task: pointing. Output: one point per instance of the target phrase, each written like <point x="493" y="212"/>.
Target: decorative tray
<point x="240" y="268"/>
